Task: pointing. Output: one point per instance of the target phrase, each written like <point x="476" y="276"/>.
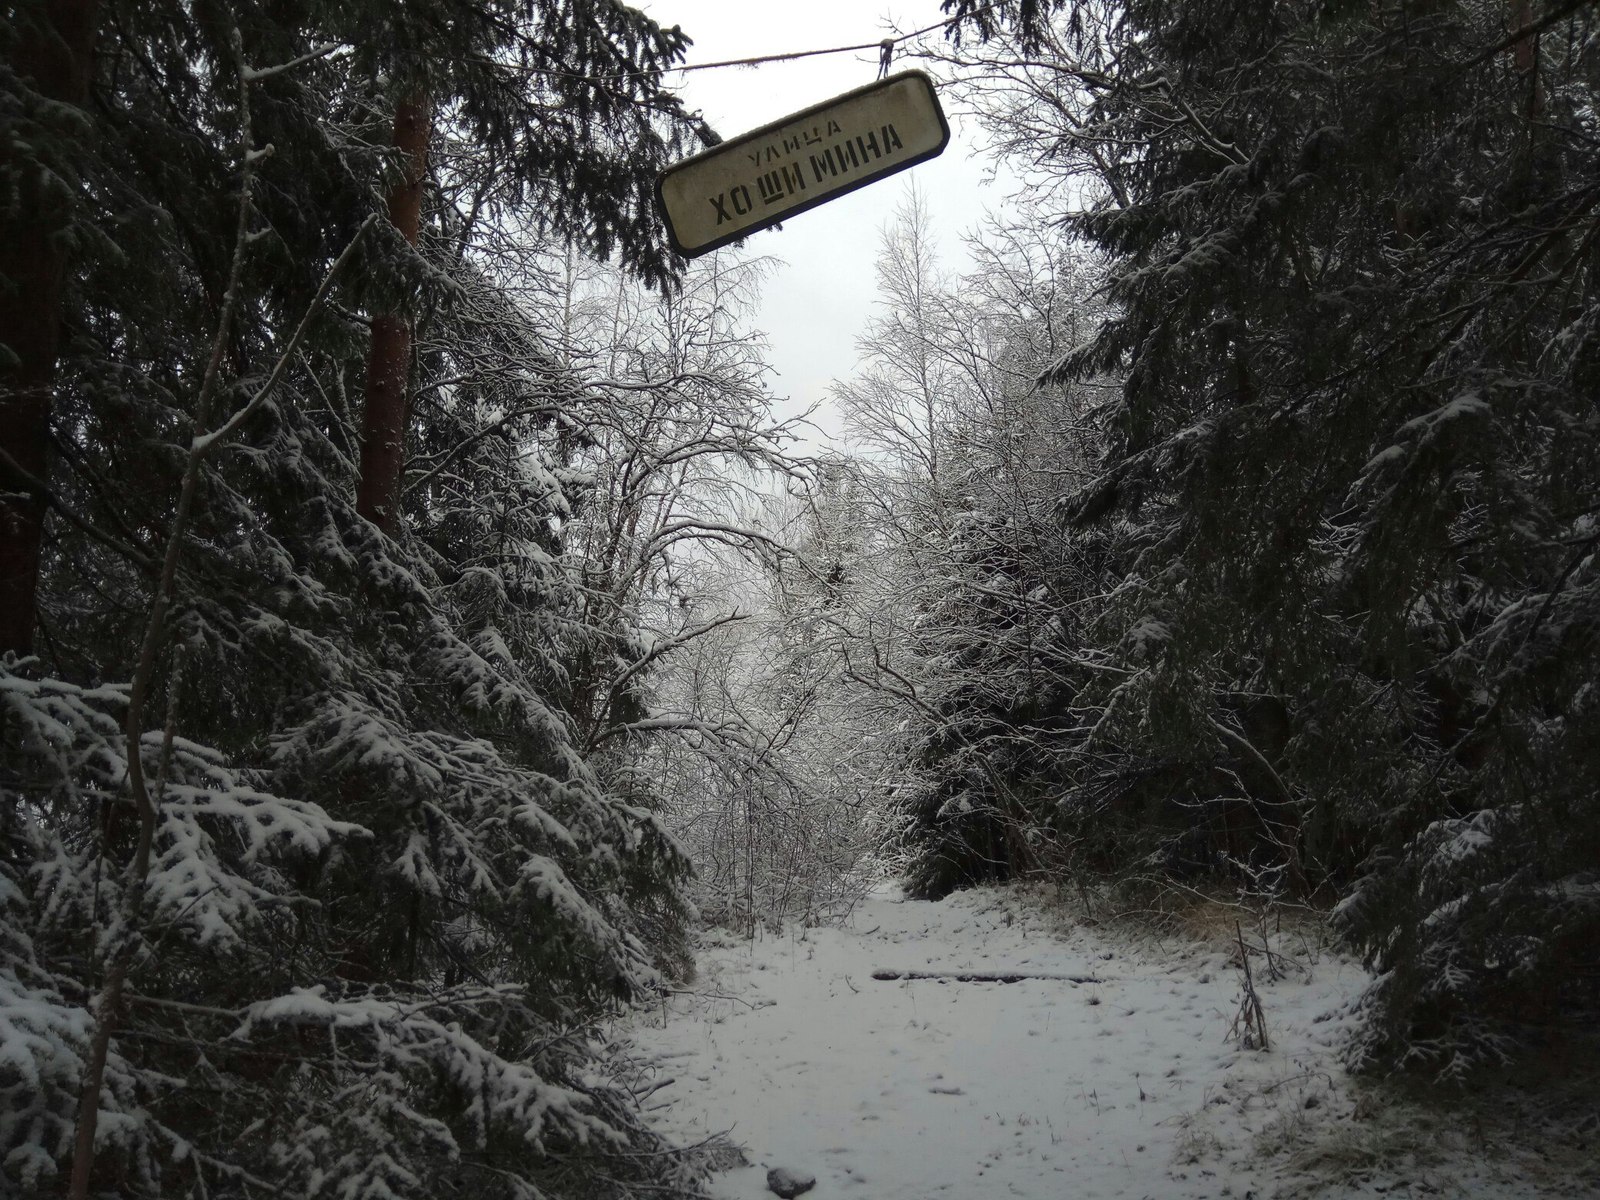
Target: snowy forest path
<point x="1040" y="1087"/>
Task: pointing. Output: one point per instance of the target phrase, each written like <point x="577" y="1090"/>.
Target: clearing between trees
<point x="1141" y="1084"/>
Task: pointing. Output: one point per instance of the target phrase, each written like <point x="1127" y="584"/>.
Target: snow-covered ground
<point x="1135" y="1084"/>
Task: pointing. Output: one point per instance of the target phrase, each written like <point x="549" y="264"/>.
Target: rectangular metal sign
<point x="772" y="173"/>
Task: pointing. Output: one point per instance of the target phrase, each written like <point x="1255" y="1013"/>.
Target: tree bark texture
<point x="1525" y="56"/>
<point x="383" y="432"/>
<point x="53" y="51"/>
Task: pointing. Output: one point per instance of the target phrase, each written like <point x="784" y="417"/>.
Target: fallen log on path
<point x="986" y="976"/>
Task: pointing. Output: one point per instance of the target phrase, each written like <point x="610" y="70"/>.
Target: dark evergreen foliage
<point x="1349" y="486"/>
<point x="388" y="892"/>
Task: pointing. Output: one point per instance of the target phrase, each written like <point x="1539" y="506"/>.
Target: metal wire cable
<point x="883" y="45"/>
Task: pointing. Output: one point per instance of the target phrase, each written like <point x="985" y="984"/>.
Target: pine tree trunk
<point x="1525" y="56"/>
<point x="54" y="49"/>
<point x="383" y="431"/>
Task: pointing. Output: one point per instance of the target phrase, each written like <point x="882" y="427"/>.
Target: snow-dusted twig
<point x="255" y="75"/>
<point x="1250" y="1022"/>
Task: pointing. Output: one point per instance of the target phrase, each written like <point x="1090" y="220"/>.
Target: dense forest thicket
<point x="1280" y="568"/>
<point x="402" y="578"/>
<point x="338" y="479"/>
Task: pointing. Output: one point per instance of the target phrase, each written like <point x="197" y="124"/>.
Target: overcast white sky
<point x="815" y="304"/>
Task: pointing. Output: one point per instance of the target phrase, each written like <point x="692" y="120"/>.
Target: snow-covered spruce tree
<point x="46" y="52"/>
<point x="347" y="935"/>
<point x="1354" y="258"/>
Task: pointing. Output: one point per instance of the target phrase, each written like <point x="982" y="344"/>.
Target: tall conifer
<point x="386" y="891"/>
<point x="47" y="51"/>
<point x="1354" y="463"/>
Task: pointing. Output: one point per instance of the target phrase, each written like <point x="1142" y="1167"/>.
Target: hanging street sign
<point x="816" y="155"/>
